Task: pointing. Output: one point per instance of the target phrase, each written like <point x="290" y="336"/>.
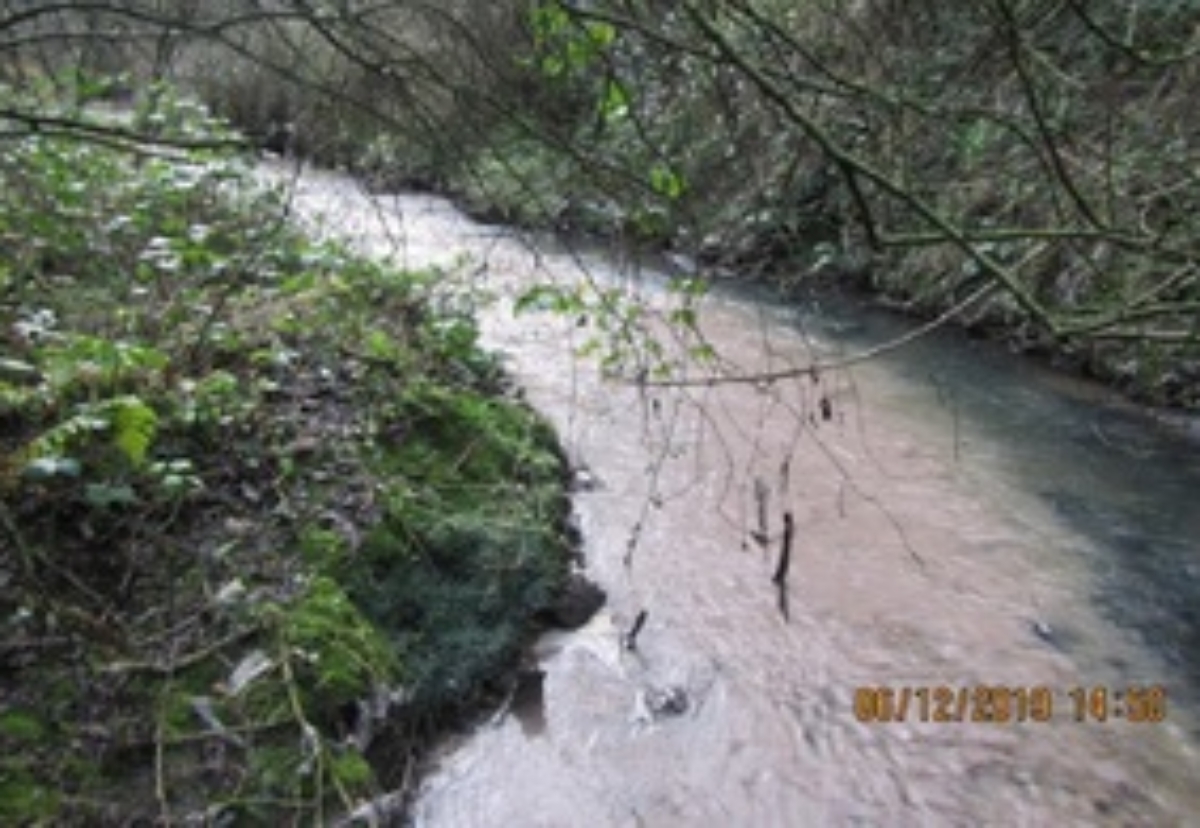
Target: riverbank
<point x="271" y="517"/>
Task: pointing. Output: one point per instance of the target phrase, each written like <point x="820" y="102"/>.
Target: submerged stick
<point x="631" y="636"/>
<point x="761" y="495"/>
<point x="785" y="554"/>
<point x="783" y="603"/>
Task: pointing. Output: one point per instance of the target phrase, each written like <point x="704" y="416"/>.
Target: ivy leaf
<point x="601" y="35"/>
<point x="46" y="467"/>
<point x="16" y="370"/>
<point x="684" y="317"/>
<point x="104" y="495"/>
<point x="135" y="424"/>
<point x="666" y="182"/>
<point x="615" y="105"/>
<point x="549" y="298"/>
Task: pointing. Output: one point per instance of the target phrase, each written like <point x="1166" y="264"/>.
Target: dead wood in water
<point x="631" y="636"/>
<point x="785" y="561"/>
<point x="785" y="554"/>
<point x="762" y="494"/>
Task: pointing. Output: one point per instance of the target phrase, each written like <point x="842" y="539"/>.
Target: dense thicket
<point x="1034" y="161"/>
<point x="1036" y="158"/>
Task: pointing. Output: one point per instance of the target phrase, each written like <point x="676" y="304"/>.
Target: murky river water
<point x="961" y="521"/>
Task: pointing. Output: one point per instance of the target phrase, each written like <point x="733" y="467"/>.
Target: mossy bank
<point x="267" y="520"/>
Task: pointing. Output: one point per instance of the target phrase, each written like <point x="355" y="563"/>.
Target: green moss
<point x="351" y="770"/>
<point x="23" y="799"/>
<point x="470" y="543"/>
<point x="455" y="440"/>
<point x="340" y="654"/>
<point x="21" y="726"/>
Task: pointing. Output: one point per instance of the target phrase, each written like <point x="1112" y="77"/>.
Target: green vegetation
<point x="257" y="499"/>
<point x="1029" y="165"/>
<point x="1025" y="168"/>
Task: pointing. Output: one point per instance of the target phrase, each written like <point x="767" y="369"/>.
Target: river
<point x="979" y="546"/>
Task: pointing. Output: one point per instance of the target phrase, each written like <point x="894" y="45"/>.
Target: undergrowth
<point x="264" y="516"/>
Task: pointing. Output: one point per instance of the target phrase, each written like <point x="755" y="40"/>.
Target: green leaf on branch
<point x="135" y="424"/>
<point x="666" y="182"/>
<point x="550" y="298"/>
<point x="104" y="495"/>
<point x="46" y="467"/>
<point x="615" y="104"/>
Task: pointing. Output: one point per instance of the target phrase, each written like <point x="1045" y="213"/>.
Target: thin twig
<point x="821" y="366"/>
<point x="785" y="553"/>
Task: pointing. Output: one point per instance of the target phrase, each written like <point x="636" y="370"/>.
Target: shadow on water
<point x="1124" y="478"/>
<point x="1115" y="473"/>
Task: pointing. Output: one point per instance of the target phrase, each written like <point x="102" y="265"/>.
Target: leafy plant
<point x="129" y="421"/>
<point x="202" y="433"/>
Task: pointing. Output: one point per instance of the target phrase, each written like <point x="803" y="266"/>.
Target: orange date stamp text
<point x="1008" y="704"/>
